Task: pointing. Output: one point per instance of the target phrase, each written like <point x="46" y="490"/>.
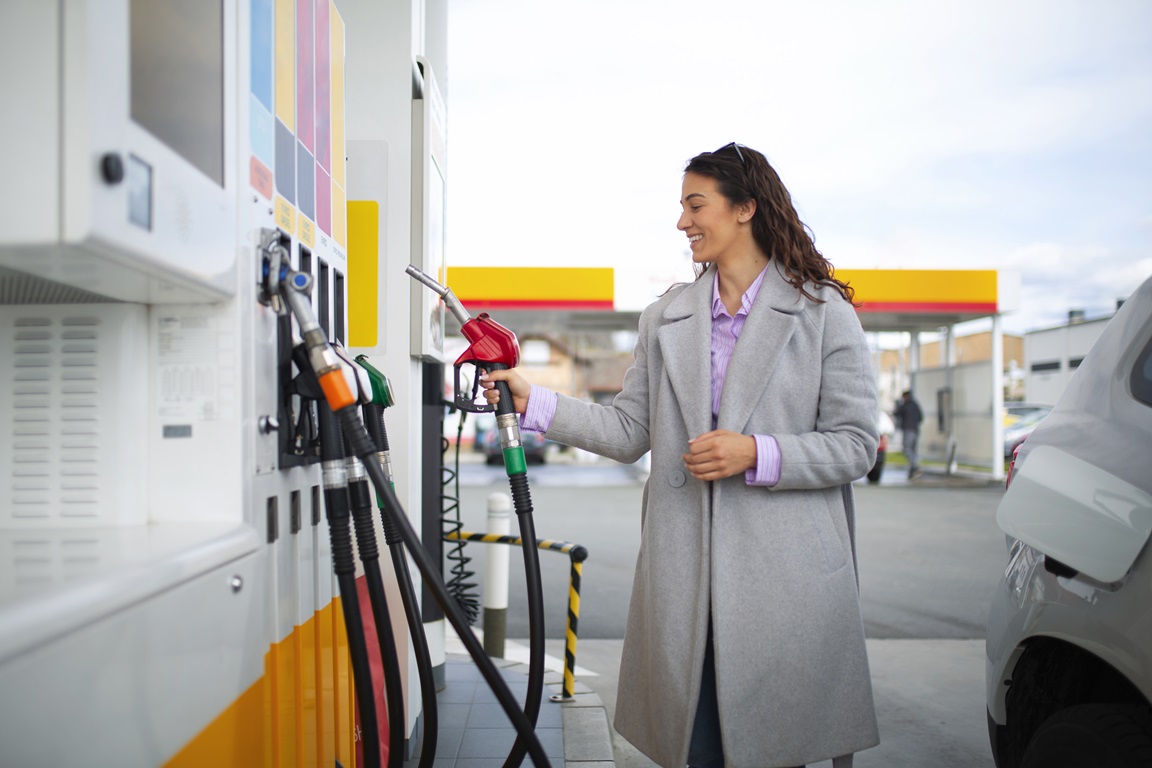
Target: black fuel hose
<point x="374" y="420"/>
<point x="360" y="498"/>
<point x="515" y="465"/>
<point x="344" y="566"/>
<point x="363" y="448"/>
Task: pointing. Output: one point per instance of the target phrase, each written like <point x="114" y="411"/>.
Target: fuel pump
<point x="321" y="373"/>
<point x="494" y="347"/>
<point x="340" y="399"/>
<point x="374" y="421"/>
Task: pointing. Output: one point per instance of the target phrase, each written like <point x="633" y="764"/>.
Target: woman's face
<point x="712" y="223"/>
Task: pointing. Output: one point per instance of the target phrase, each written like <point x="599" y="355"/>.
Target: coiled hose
<point x="459" y="583"/>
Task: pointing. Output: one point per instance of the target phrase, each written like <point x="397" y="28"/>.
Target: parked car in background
<point x="1069" y="634"/>
<point x="1015" y="410"/>
<point x="488" y="442"/>
<point x="1021" y="427"/>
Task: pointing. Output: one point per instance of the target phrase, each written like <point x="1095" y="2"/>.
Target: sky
<point x="934" y="134"/>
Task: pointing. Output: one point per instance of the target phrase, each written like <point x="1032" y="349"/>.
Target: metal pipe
<point x="444" y="292"/>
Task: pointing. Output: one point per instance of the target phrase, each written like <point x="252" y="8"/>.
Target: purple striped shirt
<point x="725" y="331"/>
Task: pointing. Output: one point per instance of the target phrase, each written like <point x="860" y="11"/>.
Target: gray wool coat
<point x="775" y="566"/>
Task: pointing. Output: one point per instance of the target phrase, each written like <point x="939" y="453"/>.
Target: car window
<point x="1141" y="380"/>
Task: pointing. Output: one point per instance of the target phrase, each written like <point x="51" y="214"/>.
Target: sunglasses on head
<point x="734" y="146"/>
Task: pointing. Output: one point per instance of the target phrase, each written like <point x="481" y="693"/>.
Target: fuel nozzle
<point x="381" y="398"/>
<point x="326" y="364"/>
<point x="491" y="346"/>
<point x="274" y="266"/>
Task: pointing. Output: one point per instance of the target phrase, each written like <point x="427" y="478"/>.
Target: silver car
<point x="1069" y="644"/>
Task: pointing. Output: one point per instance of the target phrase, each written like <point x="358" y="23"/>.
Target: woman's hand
<point x="517" y="383"/>
<point x="719" y="454"/>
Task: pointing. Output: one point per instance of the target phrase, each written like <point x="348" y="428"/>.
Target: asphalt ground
<point x="930" y="554"/>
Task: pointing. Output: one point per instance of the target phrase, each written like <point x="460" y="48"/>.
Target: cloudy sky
<point x="982" y="134"/>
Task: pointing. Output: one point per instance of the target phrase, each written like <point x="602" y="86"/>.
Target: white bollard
<point x="496" y="576"/>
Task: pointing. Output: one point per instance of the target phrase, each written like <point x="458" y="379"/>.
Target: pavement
<point x="475" y="732"/>
<point x="929" y="698"/>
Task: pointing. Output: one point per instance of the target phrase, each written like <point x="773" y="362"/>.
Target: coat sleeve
<point x="842" y="445"/>
<point x="618" y="431"/>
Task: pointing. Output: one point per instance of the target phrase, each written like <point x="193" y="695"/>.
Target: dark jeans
<point x="706" y="750"/>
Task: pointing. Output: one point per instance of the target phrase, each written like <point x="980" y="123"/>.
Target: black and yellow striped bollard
<point x="577" y="554"/>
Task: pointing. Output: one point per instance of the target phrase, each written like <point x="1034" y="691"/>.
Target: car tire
<point x="1092" y="736"/>
<point x="494" y="459"/>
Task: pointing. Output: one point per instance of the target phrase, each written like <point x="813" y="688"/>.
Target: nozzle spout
<point x="450" y="300"/>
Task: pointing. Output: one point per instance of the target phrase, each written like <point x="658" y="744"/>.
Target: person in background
<point x="754" y="390"/>
<point x="908" y="417"/>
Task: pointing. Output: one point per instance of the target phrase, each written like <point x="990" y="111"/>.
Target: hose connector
<point x="508" y="426"/>
<point x="334" y="473"/>
<point x="356" y="471"/>
<point x="384" y="459"/>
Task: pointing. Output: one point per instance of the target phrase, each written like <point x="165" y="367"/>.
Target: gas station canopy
<point x="581" y="299"/>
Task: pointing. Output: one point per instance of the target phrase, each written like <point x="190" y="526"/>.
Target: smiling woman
<point x="753" y="389"/>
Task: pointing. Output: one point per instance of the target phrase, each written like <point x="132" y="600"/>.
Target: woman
<point x="754" y="390"/>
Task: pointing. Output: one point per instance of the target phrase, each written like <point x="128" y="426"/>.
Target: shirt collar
<point x="718" y="308"/>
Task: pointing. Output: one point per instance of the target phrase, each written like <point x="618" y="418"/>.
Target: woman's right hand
<point x="516" y="383"/>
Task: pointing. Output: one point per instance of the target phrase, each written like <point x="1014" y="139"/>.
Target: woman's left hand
<point x="719" y="454"/>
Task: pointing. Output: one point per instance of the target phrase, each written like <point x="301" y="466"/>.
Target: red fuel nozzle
<point x="491" y="344"/>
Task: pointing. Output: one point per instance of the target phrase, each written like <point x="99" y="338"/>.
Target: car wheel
<point x="494" y="458"/>
<point x="1092" y="736"/>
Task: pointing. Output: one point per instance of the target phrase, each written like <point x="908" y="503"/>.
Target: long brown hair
<point x="743" y="174"/>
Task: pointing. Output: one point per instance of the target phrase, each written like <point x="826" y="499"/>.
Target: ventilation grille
<point x="21" y="288"/>
<point x="54" y="416"/>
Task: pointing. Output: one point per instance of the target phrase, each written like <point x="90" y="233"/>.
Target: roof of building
<point x="583" y="298"/>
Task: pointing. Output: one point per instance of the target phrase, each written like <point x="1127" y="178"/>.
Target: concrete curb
<point x="587" y="738"/>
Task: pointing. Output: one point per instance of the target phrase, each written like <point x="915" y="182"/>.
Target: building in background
<point x="893" y="366"/>
<point x="1052" y="355"/>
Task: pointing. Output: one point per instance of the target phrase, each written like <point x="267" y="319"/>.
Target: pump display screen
<point x="177" y="75"/>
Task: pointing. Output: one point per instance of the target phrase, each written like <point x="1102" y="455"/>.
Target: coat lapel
<point x="685" y="341"/>
<point x="767" y="330"/>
